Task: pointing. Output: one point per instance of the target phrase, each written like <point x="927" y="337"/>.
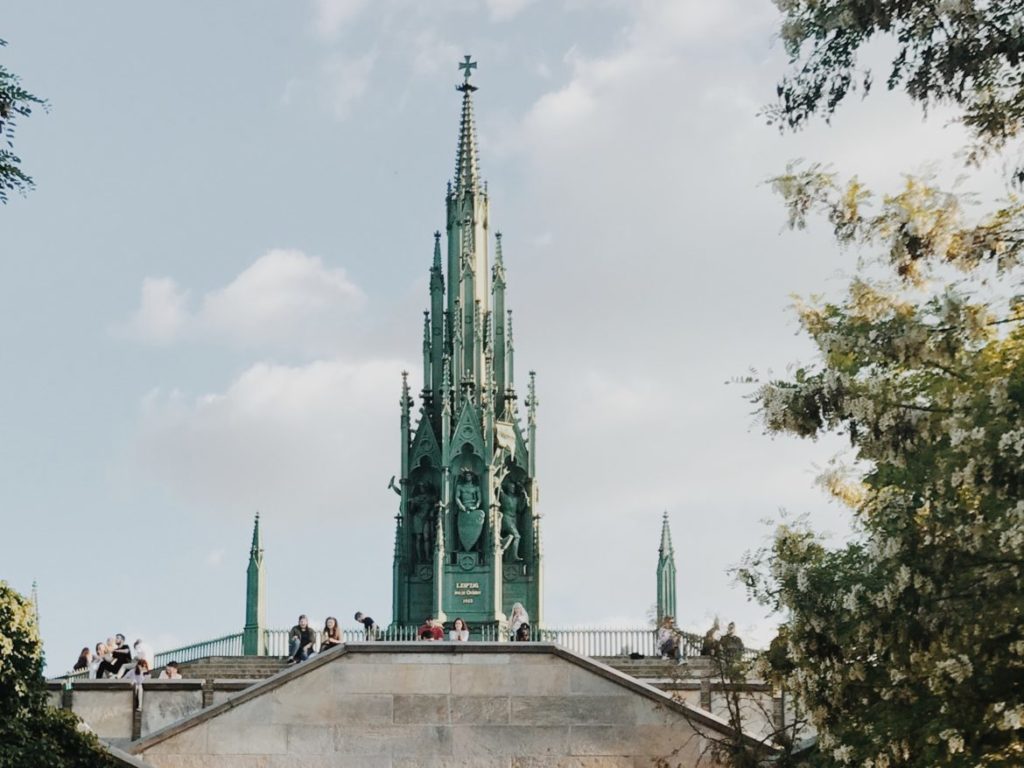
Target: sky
<point x="207" y="301"/>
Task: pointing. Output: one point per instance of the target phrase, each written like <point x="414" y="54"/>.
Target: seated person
<point x="170" y="671"/>
<point x="430" y="630"/>
<point x="668" y="639"/>
<point x="522" y="633"/>
<point x="119" y="655"/>
<point x="301" y="640"/>
<point x="84" y="660"/>
<point x="331" y="636"/>
<point x="459" y="631"/>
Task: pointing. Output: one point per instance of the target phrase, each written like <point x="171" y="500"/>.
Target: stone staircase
<point x="232" y="667"/>
<point x="261" y="667"/>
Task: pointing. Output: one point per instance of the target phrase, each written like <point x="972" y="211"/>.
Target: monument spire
<point x="666" y="572"/>
<point x="253" y="635"/>
<point x="467" y="171"/>
<point x="467" y="475"/>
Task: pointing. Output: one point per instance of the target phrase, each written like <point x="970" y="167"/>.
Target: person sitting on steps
<point x="301" y="640"/>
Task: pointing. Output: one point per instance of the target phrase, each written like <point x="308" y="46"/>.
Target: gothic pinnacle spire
<point x="256" y="550"/>
<point x="666" y="538"/>
<point x="467" y="171"/>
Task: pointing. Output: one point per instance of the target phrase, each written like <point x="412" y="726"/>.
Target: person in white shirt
<point x="459" y="631"/>
<point x="170" y="671"/>
<point x="516" y="619"/>
<point x="143" y="651"/>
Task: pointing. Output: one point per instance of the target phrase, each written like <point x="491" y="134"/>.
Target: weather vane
<point x="467" y="65"/>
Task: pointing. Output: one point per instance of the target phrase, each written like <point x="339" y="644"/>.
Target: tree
<point x="32" y="734"/>
<point x="906" y="645"/>
<point x="962" y="52"/>
<point x="15" y="102"/>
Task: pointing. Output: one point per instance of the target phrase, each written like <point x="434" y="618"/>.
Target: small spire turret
<point x="253" y="634"/>
<point x="666" y="572"/>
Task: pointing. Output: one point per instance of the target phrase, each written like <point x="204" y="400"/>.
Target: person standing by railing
<point x="368" y="624"/>
<point x="459" y="631"/>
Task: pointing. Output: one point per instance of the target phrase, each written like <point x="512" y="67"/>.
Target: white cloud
<point x="329" y="16"/>
<point x="284" y="299"/>
<point x="345" y="80"/>
<point x="162" y="314"/>
<point x="279" y="438"/>
<point x="503" y="10"/>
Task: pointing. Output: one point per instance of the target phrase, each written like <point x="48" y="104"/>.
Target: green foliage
<point x="33" y="735"/>
<point x="15" y="102"/>
<point x="906" y="646"/>
<point x="962" y="52"/>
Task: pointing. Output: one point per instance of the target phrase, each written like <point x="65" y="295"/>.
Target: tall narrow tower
<point x="253" y="636"/>
<point x="666" y="573"/>
<point x="467" y="540"/>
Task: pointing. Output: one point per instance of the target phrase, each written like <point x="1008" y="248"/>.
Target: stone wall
<point x="439" y="704"/>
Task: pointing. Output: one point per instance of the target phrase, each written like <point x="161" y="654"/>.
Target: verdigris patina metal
<point x="467" y="536"/>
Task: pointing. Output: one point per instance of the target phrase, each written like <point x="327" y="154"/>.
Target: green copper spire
<point x="467" y="541"/>
<point x="467" y="171"/>
<point x="666" y="573"/>
<point x="253" y="635"/>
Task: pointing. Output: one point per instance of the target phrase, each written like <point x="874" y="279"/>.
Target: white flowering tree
<point x="906" y="645"/>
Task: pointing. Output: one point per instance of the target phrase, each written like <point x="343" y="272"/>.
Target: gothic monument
<point x="467" y="537"/>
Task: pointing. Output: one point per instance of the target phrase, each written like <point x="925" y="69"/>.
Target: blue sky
<point x="206" y="304"/>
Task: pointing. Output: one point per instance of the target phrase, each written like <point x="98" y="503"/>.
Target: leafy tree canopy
<point x="906" y="645"/>
<point x="15" y="102"/>
<point x="32" y="734"/>
<point x="962" y="52"/>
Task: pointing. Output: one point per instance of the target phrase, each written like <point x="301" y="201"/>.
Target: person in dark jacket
<point x="301" y="640"/>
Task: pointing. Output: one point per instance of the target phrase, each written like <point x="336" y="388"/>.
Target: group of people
<point x="115" y="659"/>
<point x="729" y="646"/>
<point x="518" y="625"/>
<point x="303" y="638"/>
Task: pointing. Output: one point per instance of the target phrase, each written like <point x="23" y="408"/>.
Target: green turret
<point x="467" y="541"/>
<point x="666" y="573"/>
<point x="253" y="636"/>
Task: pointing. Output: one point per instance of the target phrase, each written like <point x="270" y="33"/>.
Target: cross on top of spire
<point x="467" y="65"/>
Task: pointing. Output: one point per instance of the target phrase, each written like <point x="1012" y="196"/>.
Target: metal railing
<point x="229" y="645"/>
<point x="594" y="642"/>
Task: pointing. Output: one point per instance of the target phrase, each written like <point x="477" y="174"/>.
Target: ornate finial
<point x="531" y="396"/>
<point x="497" y="250"/>
<point x="426" y="326"/>
<point x="467" y="65"/>
<point x="257" y="542"/>
<point x="406" y="400"/>
<point x="666" y="537"/>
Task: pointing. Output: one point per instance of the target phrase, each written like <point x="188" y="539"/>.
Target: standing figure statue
<point x="468" y="499"/>
<point x="512" y="501"/>
<point x="421" y="507"/>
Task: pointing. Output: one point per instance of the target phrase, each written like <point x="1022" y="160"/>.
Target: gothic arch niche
<point x="469" y="505"/>
<point x="422" y="508"/>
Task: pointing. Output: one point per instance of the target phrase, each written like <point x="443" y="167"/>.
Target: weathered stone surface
<point x="479" y="710"/>
<point x="162" y="707"/>
<point x="227" y="738"/>
<point x="469" y="740"/>
<point x="529" y="710"/>
<point x="571" y="710"/>
<point x="430" y="709"/>
<point x="633" y="740"/>
<point x="573" y="761"/>
<point x="400" y="740"/>
<point x="520" y="679"/>
<point x="107" y="710"/>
